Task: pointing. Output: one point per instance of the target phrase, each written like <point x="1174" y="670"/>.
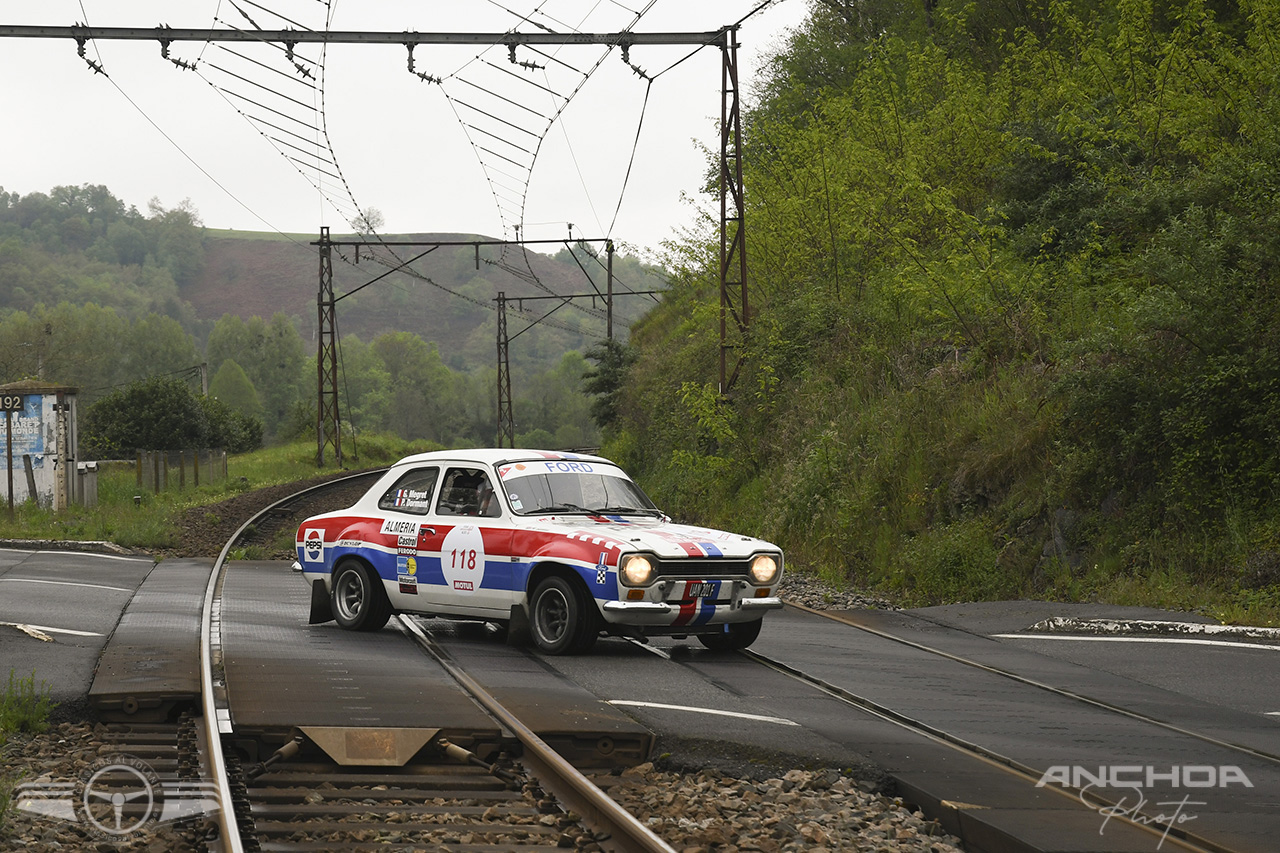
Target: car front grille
<point x="702" y="567"/>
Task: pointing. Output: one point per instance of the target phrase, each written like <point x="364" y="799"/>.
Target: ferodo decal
<point x="462" y="559"/>
<point x="313" y="544"/>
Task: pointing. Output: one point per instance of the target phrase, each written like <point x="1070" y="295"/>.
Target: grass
<point x="138" y="518"/>
<point x="7" y="785"/>
<point x="24" y="707"/>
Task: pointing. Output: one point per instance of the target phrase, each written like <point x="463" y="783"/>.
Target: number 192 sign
<point x="12" y="402"/>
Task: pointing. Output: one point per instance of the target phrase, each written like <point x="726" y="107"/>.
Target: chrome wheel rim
<point x="553" y="615"/>
<point x="350" y="595"/>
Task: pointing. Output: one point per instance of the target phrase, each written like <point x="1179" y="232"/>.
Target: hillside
<point x="1015" y="287"/>
<point x="99" y="296"/>
<point x="250" y="275"/>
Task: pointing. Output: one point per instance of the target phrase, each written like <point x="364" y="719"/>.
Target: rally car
<point x="556" y="547"/>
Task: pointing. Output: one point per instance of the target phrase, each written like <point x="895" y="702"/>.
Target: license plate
<point x="702" y="589"/>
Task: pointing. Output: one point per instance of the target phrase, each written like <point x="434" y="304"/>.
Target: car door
<point x="406" y="508"/>
<point x="468" y="536"/>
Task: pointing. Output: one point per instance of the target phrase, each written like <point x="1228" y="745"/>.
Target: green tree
<point x="364" y="386"/>
<point x="605" y="381"/>
<point x="232" y="386"/>
<point x="270" y="352"/>
<point x="156" y="344"/>
<point x="422" y="386"/>
<point x="234" y="431"/>
<point x="154" y="414"/>
<point x="128" y="243"/>
<point x="179" y="241"/>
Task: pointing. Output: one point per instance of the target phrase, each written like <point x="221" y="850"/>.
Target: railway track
<point x="508" y="791"/>
<point x="526" y="797"/>
<point x="1161" y="822"/>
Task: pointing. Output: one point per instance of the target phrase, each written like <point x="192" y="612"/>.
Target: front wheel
<point x="358" y="600"/>
<point x="735" y="635"/>
<point x="560" y="621"/>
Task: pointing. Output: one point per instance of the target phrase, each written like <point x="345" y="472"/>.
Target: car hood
<point x="659" y="536"/>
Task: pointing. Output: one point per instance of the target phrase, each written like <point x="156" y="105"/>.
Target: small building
<point x="38" y="446"/>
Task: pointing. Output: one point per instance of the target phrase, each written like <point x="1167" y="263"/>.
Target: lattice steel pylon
<point x="328" y="421"/>
<point x="733" y="235"/>
<point x="506" y="413"/>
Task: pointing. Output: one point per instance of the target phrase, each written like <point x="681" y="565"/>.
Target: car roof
<point x="496" y="455"/>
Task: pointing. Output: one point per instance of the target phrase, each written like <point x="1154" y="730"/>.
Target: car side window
<point x="468" y="491"/>
<point x="412" y="492"/>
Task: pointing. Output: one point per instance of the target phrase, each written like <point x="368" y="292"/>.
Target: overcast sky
<point x="399" y="142"/>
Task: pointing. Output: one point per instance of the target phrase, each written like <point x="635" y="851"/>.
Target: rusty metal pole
<point x="733" y="238"/>
<point x="328" y="422"/>
<point x="506" y="414"/>
<point x="608" y="247"/>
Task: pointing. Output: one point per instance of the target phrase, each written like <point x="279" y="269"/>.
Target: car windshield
<point x="569" y="486"/>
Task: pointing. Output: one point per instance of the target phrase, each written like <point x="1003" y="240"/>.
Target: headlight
<point x="635" y="570"/>
<point x="764" y="568"/>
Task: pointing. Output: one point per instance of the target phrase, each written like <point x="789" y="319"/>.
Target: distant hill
<point x="257" y="274"/>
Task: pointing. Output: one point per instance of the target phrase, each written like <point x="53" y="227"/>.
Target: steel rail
<point x="216" y="718"/>
<point x="165" y="35"/>
<point x="837" y="616"/>
<point x="1171" y="833"/>
<point x="574" y="790"/>
<point x="1175" y="834"/>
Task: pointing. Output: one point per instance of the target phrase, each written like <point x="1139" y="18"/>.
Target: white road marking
<point x="66" y="583"/>
<point x="1182" y="640"/>
<point x="1150" y="627"/>
<point x="98" y="556"/>
<point x="46" y="629"/>
<point x="1271" y="713"/>
<point x="30" y="552"/>
<point x="782" y="721"/>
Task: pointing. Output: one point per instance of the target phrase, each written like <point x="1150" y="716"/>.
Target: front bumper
<point x="662" y="607"/>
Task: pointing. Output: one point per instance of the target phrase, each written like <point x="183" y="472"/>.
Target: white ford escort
<point x="561" y="546"/>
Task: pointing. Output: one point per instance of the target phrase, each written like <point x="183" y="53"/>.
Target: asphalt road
<point x="69" y="602"/>
<point x="57" y="610"/>
<point x="1240" y="676"/>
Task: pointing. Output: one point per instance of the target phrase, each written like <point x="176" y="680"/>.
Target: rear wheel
<point x="736" y="635"/>
<point x="562" y="621"/>
<point x="358" y="600"/>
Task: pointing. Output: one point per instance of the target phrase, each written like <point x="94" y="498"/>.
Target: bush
<point x="154" y="414"/>
<point x="229" y="429"/>
<point x="164" y="414"/>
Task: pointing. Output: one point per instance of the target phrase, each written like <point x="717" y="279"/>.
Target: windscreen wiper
<point x="626" y="510"/>
<point x="565" y="508"/>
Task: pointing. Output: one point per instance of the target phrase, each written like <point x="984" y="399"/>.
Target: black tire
<point x="356" y="596"/>
<point x="736" y="635"/>
<point x="561" y="620"/>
